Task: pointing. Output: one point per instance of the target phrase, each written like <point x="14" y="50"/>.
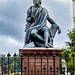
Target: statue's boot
<point x="50" y="45"/>
<point x="46" y="45"/>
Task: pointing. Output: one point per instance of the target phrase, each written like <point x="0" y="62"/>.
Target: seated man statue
<point x="36" y="27"/>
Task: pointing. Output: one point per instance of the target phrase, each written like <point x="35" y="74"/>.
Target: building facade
<point x="74" y="13"/>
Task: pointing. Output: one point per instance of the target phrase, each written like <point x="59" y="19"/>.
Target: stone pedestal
<point x="40" y="60"/>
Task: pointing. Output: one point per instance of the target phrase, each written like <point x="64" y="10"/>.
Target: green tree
<point x="70" y="49"/>
<point x="74" y="19"/>
<point x="12" y="61"/>
<point x="71" y="43"/>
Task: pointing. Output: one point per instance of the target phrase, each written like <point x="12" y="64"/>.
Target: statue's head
<point x="37" y="2"/>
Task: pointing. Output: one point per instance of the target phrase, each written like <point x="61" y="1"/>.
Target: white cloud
<point x="62" y="0"/>
<point x="8" y="44"/>
<point x="2" y="2"/>
<point x="14" y="14"/>
<point x="67" y="2"/>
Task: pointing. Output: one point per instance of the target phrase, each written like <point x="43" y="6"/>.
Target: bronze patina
<point x="37" y="32"/>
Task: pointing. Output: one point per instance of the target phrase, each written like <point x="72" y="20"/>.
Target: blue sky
<point x="13" y="19"/>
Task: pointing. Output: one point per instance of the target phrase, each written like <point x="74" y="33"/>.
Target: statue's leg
<point x="35" y="34"/>
<point x="51" y="40"/>
<point x="46" y="35"/>
<point x="26" y="38"/>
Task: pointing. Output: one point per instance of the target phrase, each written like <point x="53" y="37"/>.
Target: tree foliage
<point x="70" y="49"/>
<point x="74" y="19"/>
<point x="12" y="62"/>
<point x="71" y="43"/>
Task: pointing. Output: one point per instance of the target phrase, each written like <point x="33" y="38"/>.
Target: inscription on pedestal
<point x="38" y="62"/>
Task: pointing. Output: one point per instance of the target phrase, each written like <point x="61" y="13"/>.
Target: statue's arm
<point x="54" y="23"/>
<point x="50" y="20"/>
<point x="28" y="19"/>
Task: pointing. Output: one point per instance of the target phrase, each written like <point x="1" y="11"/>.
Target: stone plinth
<point x="36" y="64"/>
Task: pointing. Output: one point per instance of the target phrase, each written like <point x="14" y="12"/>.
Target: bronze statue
<point x="36" y="27"/>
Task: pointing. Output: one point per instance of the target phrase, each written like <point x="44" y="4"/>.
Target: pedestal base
<point x="40" y="61"/>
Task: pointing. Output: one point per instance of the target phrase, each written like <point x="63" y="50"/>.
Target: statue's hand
<point x="59" y="31"/>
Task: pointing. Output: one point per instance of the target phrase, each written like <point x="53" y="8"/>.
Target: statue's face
<point x="37" y="2"/>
